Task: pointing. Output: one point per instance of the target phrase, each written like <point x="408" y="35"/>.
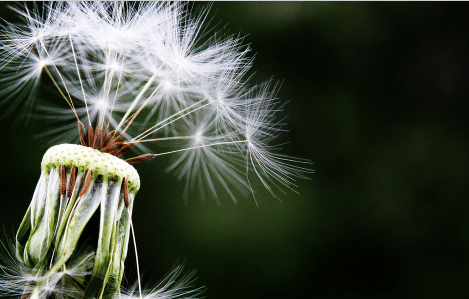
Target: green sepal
<point x="69" y="210"/>
<point x="44" y="214"/>
<point x="86" y="206"/>
<point x="122" y="241"/>
<point x="22" y="233"/>
<point x="109" y="205"/>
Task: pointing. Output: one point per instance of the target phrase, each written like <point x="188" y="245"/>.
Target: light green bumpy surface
<point x="86" y="158"/>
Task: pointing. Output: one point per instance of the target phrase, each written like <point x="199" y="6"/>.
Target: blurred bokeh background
<point x="378" y="101"/>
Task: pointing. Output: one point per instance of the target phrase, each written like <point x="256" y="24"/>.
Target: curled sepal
<point x="36" y="232"/>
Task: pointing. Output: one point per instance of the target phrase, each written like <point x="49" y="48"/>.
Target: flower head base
<point x="86" y="158"/>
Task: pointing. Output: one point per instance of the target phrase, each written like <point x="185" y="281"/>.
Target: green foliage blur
<point x="378" y="102"/>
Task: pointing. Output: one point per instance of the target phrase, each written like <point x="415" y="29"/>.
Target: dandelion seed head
<point x="150" y="71"/>
<point x="145" y="76"/>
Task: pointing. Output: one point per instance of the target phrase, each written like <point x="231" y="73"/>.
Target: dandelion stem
<point x="163" y="139"/>
<point x="139" y="96"/>
<point x="157" y="129"/>
<point x="201" y="146"/>
<point x="79" y="78"/>
<point x="118" y="85"/>
<point x="247" y="177"/>
<point x="146" y="101"/>
<point x="61" y="78"/>
<point x="60" y="91"/>
<point x="174" y="115"/>
<point x="102" y="114"/>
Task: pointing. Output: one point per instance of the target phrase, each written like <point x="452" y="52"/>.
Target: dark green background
<point x="379" y="102"/>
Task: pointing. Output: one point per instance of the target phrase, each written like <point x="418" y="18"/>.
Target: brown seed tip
<point x="63" y="180"/>
<point x="90" y="137"/>
<point x="125" y="188"/>
<point x="71" y="182"/>
<point x="141" y="158"/>
<point x="87" y="183"/>
<point x="82" y="133"/>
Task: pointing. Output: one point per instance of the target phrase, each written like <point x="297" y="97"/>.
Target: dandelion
<point x="132" y="76"/>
